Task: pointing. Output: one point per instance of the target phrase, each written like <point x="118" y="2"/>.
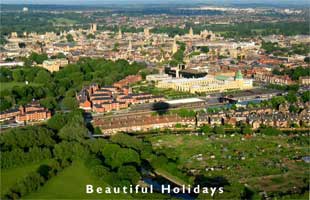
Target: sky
<point x="102" y="2"/>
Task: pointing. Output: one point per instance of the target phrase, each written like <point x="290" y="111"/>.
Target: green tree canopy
<point x="69" y="38"/>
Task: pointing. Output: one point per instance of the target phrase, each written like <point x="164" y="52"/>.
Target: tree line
<point x="57" y="90"/>
<point x="36" y="179"/>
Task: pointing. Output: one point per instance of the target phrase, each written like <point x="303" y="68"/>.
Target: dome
<point x="238" y="75"/>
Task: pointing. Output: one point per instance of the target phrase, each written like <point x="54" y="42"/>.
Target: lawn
<point x="10" y="85"/>
<point x="265" y="163"/>
<point x="71" y="183"/>
<point x="62" y="20"/>
<point x="10" y="176"/>
<point x="167" y="93"/>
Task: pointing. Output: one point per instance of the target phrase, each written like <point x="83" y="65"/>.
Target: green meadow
<point x="71" y="184"/>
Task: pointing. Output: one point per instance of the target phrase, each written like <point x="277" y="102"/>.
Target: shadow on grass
<point x="217" y="181"/>
<point x="160" y="108"/>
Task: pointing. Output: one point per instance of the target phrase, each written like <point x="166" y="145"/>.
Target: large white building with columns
<point x="207" y="84"/>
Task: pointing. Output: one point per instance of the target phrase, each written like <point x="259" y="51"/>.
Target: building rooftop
<point x="187" y="100"/>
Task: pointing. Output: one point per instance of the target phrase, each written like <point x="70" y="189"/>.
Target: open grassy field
<point x="10" y="176"/>
<point x="265" y="163"/>
<point x="62" y="20"/>
<point x="70" y="184"/>
<point x="167" y="93"/>
<point x="10" y="85"/>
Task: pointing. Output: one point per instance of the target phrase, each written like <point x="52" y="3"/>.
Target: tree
<point x="91" y="36"/>
<point x="18" y="75"/>
<point x="205" y="129"/>
<point x="270" y="131"/>
<point x="298" y="72"/>
<point x="115" y="156"/>
<point x="5" y="74"/>
<point x="126" y="156"/>
<point x="70" y="103"/>
<point x="291" y="97"/>
<point x="109" y="153"/>
<point x="276" y="101"/>
<point x="305" y="96"/>
<point x="38" y="58"/>
<point x="97" y="145"/>
<point x="115" y="47"/>
<point x="233" y="107"/>
<point x="219" y="130"/>
<point x="246" y="129"/>
<point x="43" y="76"/>
<point x="204" y="49"/>
<point x="4" y="104"/>
<point x="27" y="137"/>
<point x="49" y="102"/>
<point x="183" y="112"/>
<point x="293" y="109"/>
<point x="127" y="141"/>
<point x="57" y="121"/>
<point x="70" y="150"/>
<point x="59" y="55"/>
<point x="129" y="173"/>
<point x="73" y="132"/>
<point x="69" y="38"/>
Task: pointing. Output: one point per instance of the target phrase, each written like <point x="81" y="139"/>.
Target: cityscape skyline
<point x="100" y="2"/>
<point x="154" y="99"/>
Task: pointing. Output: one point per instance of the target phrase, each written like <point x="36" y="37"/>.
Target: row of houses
<point x="29" y="113"/>
<point x="119" y="96"/>
<point x="255" y="118"/>
<point x="273" y="79"/>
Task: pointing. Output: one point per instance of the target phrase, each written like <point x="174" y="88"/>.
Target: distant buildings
<point x="54" y="65"/>
<point x="128" y="80"/>
<point x="93" y="27"/>
<point x="157" y="77"/>
<point x="273" y="79"/>
<point x="304" y="80"/>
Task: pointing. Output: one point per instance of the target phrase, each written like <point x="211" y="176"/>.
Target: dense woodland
<point x="274" y="48"/>
<point x="294" y="73"/>
<point x="240" y="30"/>
<point x="57" y="90"/>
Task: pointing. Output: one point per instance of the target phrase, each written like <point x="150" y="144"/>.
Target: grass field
<point x="70" y="184"/>
<point x="10" y="176"/>
<point x="62" y="20"/>
<point x="10" y="85"/>
<point x="167" y="93"/>
<point x="265" y="163"/>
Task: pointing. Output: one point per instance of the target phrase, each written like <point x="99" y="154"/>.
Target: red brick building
<point x="31" y="112"/>
<point x="128" y="80"/>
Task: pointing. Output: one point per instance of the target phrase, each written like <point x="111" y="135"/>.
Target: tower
<point x="93" y="27"/>
<point x="238" y="75"/>
<point x="191" y="32"/>
<point x="146" y="32"/>
<point x="174" y="46"/>
<point x="120" y="35"/>
<point x="130" y="46"/>
<point x="14" y="35"/>
<point x="239" y="79"/>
